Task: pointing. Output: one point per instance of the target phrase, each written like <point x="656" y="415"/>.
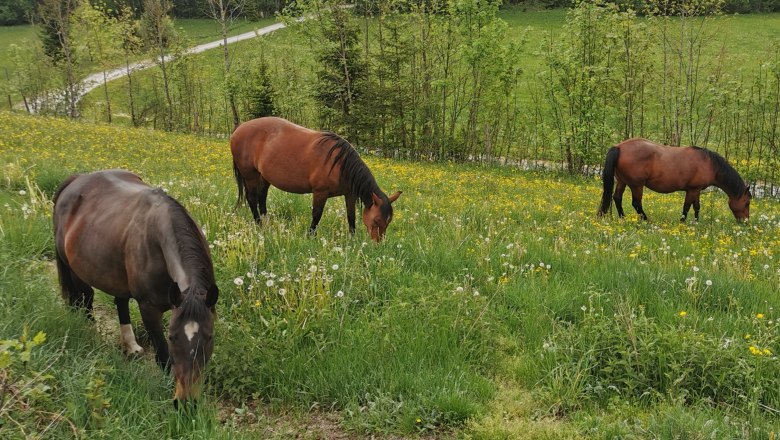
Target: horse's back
<point x="97" y="218"/>
<point x="283" y="153"/>
<point x="661" y="168"/>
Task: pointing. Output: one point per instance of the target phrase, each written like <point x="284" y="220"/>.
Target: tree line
<point x="435" y="80"/>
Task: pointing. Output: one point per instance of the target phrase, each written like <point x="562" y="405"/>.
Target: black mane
<point x="195" y="258"/>
<point x="355" y="172"/>
<point x="726" y="177"/>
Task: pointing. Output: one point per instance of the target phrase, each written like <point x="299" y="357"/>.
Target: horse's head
<point x="379" y="215"/>
<point x="190" y="337"/>
<point x="740" y="205"/>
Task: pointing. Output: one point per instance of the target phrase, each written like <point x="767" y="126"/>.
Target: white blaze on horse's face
<point x="190" y="329"/>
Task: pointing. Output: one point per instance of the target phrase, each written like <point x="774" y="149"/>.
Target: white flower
<point x="548" y="267"/>
<point x="339" y="294"/>
<point x="335" y="267"/>
<point x="476" y="293"/>
<point x="708" y="282"/>
<point x="238" y="281"/>
<point x="269" y="283"/>
<point x="22" y="192"/>
<point x="312" y="268"/>
<point x="250" y="274"/>
<point x="695" y="268"/>
<point x="282" y="292"/>
<point x="459" y="289"/>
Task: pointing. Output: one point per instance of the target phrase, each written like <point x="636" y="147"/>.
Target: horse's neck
<point x="184" y="273"/>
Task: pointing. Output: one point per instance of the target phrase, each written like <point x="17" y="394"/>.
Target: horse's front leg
<point x="350" y="202"/>
<point x="152" y="318"/>
<point x="129" y="344"/>
<point x="317" y="207"/>
<point x="691" y="198"/>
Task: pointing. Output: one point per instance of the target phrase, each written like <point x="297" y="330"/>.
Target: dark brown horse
<point x="273" y="151"/>
<point x="115" y="233"/>
<point x="637" y="163"/>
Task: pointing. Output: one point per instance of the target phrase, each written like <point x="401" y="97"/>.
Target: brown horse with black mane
<point x="637" y="163"/>
<point x="273" y="151"/>
<point x="116" y="233"/>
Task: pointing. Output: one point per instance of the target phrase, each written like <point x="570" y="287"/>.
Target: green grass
<point x="499" y="306"/>
<point x="12" y="35"/>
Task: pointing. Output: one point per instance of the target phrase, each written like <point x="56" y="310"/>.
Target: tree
<point x="55" y="17"/>
<point x="225" y="12"/>
<point x="101" y="33"/>
<point x="158" y="31"/>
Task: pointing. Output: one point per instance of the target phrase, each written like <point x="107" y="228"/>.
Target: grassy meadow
<point x="498" y="306"/>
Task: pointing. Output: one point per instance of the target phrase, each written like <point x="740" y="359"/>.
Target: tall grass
<point x="497" y="301"/>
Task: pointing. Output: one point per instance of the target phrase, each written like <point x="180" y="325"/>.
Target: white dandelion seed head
<point x="335" y="267"/>
<point x="282" y="292"/>
<point x="22" y="192"/>
<point x="708" y="282"/>
<point x="312" y="268"/>
<point x="269" y="283"/>
<point x="238" y="281"/>
<point x="339" y="294"/>
<point x="695" y="268"/>
<point x="459" y="289"/>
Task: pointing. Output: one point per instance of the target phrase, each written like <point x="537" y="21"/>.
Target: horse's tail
<point x="240" y="183"/>
<point x="608" y="178"/>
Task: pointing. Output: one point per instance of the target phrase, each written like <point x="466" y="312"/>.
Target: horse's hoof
<point x="136" y="351"/>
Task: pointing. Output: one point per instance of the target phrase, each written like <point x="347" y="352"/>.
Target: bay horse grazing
<point x="115" y="233"/>
<point x="637" y="163"/>
<point x="275" y="152"/>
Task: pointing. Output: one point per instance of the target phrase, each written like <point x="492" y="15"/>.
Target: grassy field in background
<point x="193" y="30"/>
<point x="498" y="306"/>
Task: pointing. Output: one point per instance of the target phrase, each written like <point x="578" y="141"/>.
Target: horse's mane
<point x="725" y="175"/>
<point x="354" y="171"/>
<point x="194" y="254"/>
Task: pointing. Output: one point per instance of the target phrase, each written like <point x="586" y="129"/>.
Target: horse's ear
<point x="174" y="294"/>
<point x="394" y="197"/>
<point x="212" y="295"/>
<point x="375" y="198"/>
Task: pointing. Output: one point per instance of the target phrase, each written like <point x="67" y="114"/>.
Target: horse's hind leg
<point x="636" y="201"/>
<point x="129" y="344"/>
<point x="618" y="197"/>
<point x="691" y="198"/>
<point x="78" y="293"/>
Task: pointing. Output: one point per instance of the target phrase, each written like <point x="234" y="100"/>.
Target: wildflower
<point x="476" y="293"/>
<point x="418" y="421"/>
<point x="250" y="274"/>
<point x="22" y="192"/>
<point x="257" y="303"/>
<point x="748" y="336"/>
<point x="755" y="351"/>
<point x="238" y="281"/>
<point x="335" y="267"/>
<point x="695" y="268"/>
<point x="282" y="292"/>
<point x="760" y="315"/>
<point x="269" y="283"/>
<point x="683" y="313"/>
<point x="339" y="294"/>
<point x="767" y="352"/>
<point x="708" y="283"/>
<point x="459" y="289"/>
<point x="312" y="268"/>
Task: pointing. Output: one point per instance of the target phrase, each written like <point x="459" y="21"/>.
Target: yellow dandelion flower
<point x="683" y="313"/>
<point x="754" y="351"/>
<point x="748" y="336"/>
<point x="767" y="352"/>
<point x="760" y="315"/>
